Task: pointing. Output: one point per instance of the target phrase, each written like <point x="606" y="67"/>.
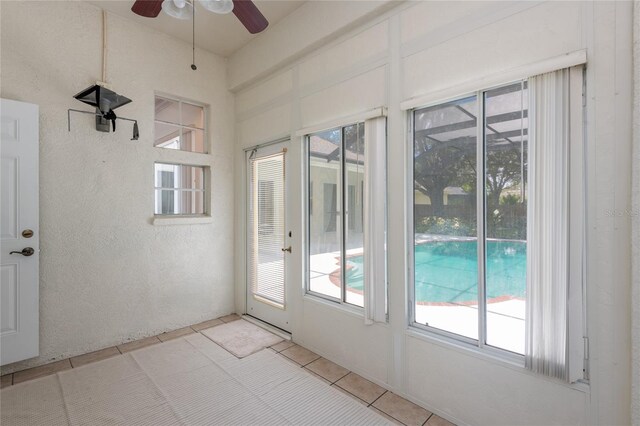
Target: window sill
<point x="351" y="310"/>
<point x="490" y="356"/>
<point x="181" y="220"/>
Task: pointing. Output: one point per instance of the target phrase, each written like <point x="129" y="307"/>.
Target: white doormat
<point x="241" y="337"/>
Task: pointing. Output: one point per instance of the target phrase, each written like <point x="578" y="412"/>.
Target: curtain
<point x="554" y="271"/>
<point x="375" y="194"/>
<point x="546" y="337"/>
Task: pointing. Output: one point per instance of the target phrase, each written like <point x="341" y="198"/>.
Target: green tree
<point x="438" y="165"/>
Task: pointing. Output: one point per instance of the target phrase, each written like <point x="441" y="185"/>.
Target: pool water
<point x="446" y="271"/>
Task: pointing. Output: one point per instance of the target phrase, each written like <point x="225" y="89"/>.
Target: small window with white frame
<point x="179" y="190"/>
<point x="180" y="124"/>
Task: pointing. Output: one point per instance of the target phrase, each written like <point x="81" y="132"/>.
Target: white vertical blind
<point x="266" y="228"/>
<point x="375" y="194"/>
<point x="553" y="271"/>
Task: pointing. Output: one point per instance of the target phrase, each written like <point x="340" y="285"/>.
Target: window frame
<point x="479" y="345"/>
<point x="180" y="126"/>
<point x="205" y="195"/>
<point x="335" y="301"/>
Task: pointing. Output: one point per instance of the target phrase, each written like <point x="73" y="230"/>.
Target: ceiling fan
<point x="246" y="12"/>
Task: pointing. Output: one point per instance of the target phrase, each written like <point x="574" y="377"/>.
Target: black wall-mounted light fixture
<point x="105" y="101"/>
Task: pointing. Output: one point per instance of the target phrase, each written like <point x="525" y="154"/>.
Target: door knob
<point x="287" y="249"/>
<point x="27" y="251"/>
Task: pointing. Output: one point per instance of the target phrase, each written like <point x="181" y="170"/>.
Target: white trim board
<point x="567" y="60"/>
<point x="343" y="121"/>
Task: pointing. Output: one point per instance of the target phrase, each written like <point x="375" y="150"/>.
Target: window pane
<point x="179" y="189"/>
<point x="165" y="175"/>
<point x="506" y="202"/>
<point x="354" y="241"/>
<point x="179" y="125"/>
<point x="445" y="260"/>
<point x="192" y="115"/>
<point x="167" y="110"/>
<point x="192" y="140"/>
<point x="165" y="201"/>
<point x="167" y="136"/>
<point x="325" y="266"/>
<point x="191" y="202"/>
<point x="192" y="177"/>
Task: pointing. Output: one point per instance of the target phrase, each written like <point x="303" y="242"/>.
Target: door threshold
<point x="269" y="327"/>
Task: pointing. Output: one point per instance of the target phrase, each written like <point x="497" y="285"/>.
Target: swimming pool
<point x="446" y="271"/>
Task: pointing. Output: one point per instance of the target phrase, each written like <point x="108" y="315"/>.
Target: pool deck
<point x="505" y="317"/>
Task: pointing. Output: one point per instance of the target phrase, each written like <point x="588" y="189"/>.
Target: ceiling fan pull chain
<point x="193" y="39"/>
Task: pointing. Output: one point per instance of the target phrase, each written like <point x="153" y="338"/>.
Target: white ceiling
<point x="220" y="34"/>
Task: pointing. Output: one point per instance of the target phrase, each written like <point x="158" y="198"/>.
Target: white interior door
<point x="19" y="244"/>
<point x="268" y="241"/>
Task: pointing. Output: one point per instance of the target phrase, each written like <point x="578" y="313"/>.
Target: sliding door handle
<point x="287" y="249"/>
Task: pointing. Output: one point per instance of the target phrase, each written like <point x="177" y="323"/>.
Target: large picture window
<point x="336" y="221"/>
<point x="470" y="217"/>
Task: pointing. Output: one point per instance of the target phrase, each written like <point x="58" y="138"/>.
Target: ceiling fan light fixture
<point x="221" y="7"/>
<point x="180" y="9"/>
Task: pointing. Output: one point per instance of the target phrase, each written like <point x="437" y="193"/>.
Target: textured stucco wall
<point x="635" y="235"/>
<point x="107" y="273"/>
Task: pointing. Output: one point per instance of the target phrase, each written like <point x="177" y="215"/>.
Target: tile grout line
<point x="397" y="420"/>
<point x="115" y="346"/>
<point x="352" y="395"/>
<point x="373" y="402"/>
<point x="425" y="422"/>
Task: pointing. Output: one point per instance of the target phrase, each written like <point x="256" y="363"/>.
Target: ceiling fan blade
<point x="249" y="15"/>
<point x="147" y="8"/>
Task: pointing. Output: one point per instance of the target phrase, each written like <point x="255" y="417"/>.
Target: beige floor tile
<point x="229" y="318"/>
<point x="80" y="360"/>
<point x="438" y="421"/>
<point x="319" y="377"/>
<point x="41" y="371"/>
<point x="6" y="380"/>
<point x="138" y="344"/>
<point x="206" y="324"/>
<point x="355" y="398"/>
<point x="360" y="387"/>
<point x="389" y="418"/>
<point x="399" y="408"/>
<point x="282" y="346"/>
<point x="175" y="334"/>
<point x="302" y="356"/>
<point x="327" y="369"/>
